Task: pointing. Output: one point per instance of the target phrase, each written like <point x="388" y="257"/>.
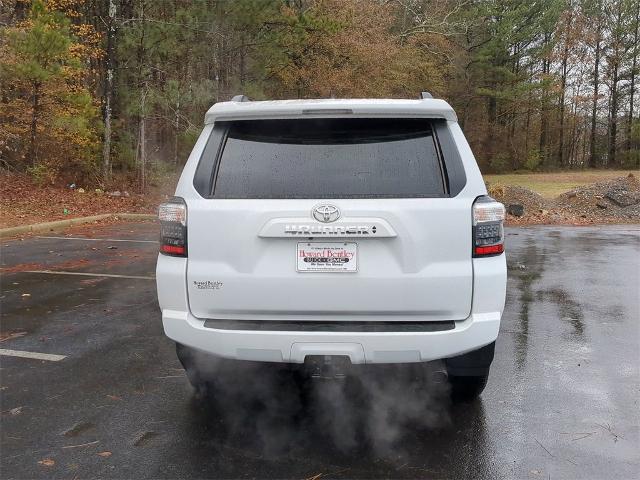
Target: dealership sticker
<point x="327" y="257"/>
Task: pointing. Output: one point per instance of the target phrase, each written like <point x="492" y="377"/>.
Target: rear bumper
<point x="479" y="329"/>
<point x="361" y="347"/>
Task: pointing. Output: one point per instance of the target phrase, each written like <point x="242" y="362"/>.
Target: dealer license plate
<point x="327" y="257"/>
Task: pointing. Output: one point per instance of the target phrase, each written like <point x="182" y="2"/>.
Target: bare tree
<point x="633" y="75"/>
<point x="597" y="39"/>
<point x="108" y="90"/>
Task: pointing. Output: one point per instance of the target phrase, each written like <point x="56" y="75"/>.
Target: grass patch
<point x="550" y="185"/>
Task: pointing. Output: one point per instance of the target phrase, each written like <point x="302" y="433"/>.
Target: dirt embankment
<point x="613" y="201"/>
<point x="24" y="203"/>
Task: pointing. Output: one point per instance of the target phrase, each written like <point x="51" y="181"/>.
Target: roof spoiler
<point x="244" y="98"/>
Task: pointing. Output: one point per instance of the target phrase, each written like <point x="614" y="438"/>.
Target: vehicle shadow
<point x="376" y="422"/>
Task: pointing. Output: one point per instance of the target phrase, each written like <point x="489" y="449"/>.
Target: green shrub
<point x="630" y="158"/>
<point x="159" y="172"/>
<point x="533" y="160"/>
<point x="42" y="174"/>
<point x="124" y="152"/>
<point x="499" y="163"/>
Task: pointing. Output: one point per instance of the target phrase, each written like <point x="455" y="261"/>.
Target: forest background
<point x="105" y="92"/>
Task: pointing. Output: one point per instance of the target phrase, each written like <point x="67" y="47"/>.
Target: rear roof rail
<point x="240" y="98"/>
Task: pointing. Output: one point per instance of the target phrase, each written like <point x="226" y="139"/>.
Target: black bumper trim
<point x="323" y="326"/>
<point x="473" y="363"/>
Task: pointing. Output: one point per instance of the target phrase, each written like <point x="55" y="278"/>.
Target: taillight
<point x="173" y="227"/>
<point x="488" y="231"/>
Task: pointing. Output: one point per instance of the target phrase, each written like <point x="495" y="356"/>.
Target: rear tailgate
<point x="423" y="272"/>
<point x="411" y="242"/>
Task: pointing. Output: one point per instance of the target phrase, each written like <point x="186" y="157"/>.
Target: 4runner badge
<point x="325" y="213"/>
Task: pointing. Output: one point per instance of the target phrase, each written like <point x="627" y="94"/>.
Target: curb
<point x="47" y="226"/>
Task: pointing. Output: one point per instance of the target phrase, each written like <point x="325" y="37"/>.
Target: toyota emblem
<point x="326" y="213"/>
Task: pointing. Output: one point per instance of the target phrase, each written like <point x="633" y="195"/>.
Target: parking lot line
<point x="98" y="239"/>
<point x="86" y="274"/>
<point x="35" y="355"/>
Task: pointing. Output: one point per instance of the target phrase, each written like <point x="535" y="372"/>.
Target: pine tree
<point x="44" y="77"/>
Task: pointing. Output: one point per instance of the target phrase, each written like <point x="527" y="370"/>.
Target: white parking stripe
<point x="111" y="275"/>
<point x="99" y="239"/>
<point x="35" y="355"/>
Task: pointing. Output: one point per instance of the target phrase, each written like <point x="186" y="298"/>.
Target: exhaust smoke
<point x="279" y="409"/>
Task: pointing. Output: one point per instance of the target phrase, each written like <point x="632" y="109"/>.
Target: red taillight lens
<point x="173" y="227"/>
<point x="490" y="250"/>
<point x="488" y="230"/>
<point x="173" y="249"/>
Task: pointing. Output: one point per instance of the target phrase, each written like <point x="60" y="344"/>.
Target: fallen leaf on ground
<point x="26" y="294"/>
<point x="104" y="454"/>
<point x="315" y="477"/>
<point x="47" y="462"/>
<point x="16" y="411"/>
<point x="78" y="428"/>
<point x="82" y="444"/>
<point x="142" y="438"/>
<point x="10" y="336"/>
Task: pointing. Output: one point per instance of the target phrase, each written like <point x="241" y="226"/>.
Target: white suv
<point x="333" y="232"/>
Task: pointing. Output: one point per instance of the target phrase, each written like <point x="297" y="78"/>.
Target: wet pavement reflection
<point x="562" y="398"/>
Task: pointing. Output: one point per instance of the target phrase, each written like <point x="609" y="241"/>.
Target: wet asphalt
<point x="562" y="399"/>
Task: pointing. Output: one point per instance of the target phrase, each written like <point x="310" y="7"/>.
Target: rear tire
<point x="468" y="373"/>
<point x="467" y="388"/>
<point x="189" y="359"/>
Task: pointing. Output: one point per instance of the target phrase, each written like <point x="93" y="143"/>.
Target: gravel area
<point x="612" y="201"/>
<point x="617" y="199"/>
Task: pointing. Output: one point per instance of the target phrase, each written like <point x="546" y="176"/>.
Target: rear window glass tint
<point x="329" y="158"/>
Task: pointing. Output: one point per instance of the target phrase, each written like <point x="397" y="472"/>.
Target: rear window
<point x="327" y="158"/>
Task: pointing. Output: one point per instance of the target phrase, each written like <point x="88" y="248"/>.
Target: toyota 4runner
<point x="355" y="231"/>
